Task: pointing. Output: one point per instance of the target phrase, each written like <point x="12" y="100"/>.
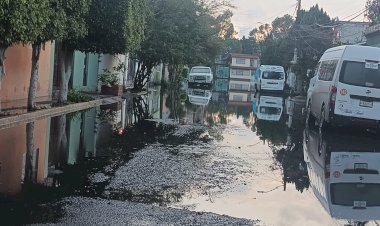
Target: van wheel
<point x="310" y="120"/>
<point x="321" y="122"/>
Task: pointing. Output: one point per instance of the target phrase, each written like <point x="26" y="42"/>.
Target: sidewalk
<point x="22" y="116"/>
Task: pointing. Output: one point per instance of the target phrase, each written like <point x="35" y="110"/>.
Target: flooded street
<point x="188" y="156"/>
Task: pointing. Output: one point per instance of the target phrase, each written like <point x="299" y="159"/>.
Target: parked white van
<point x="344" y="174"/>
<point x="345" y="88"/>
<point x="200" y="74"/>
<point x="270" y="78"/>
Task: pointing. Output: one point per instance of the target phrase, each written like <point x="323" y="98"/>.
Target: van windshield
<point x="273" y="75"/>
<point x="357" y="74"/>
<point x="200" y="70"/>
<point x="346" y="194"/>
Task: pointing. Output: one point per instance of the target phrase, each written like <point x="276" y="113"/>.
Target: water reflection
<point x="269" y="108"/>
<point x="52" y="157"/>
<point x="344" y="173"/>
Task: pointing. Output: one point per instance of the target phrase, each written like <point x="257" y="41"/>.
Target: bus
<point x="270" y="78"/>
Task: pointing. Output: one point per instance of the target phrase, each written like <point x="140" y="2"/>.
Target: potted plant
<point x="110" y="82"/>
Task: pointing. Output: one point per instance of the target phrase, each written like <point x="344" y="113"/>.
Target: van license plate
<point x="367" y="104"/>
<point x="360" y="165"/>
<point x="360" y="204"/>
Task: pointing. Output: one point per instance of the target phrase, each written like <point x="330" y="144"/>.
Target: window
<point x="240" y="61"/>
<point x="327" y="69"/>
<point x="356" y="73"/>
<point x="237" y="98"/>
<point x="200" y="70"/>
<point x="85" y="69"/>
<point x="253" y="63"/>
<point x="346" y="194"/>
<point x="240" y="72"/>
<point x="239" y="86"/>
<point x="273" y="75"/>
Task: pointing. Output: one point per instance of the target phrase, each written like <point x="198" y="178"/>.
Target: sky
<point x="252" y="13"/>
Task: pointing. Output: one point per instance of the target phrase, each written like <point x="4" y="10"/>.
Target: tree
<point x="20" y="22"/>
<point x="115" y="26"/>
<point x="373" y="11"/>
<point x="73" y="27"/>
<point x="181" y="32"/>
<point x="52" y="16"/>
<point x="226" y="27"/>
<point x="248" y="45"/>
<point x="312" y="38"/>
<point x="282" y="24"/>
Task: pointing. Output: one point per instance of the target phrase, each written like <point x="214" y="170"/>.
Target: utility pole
<point x="298" y="8"/>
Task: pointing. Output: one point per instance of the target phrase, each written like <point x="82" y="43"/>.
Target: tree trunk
<point x="34" y="76"/>
<point x="66" y="62"/>
<point x="2" y="67"/>
<point x="61" y="142"/>
<point x="31" y="156"/>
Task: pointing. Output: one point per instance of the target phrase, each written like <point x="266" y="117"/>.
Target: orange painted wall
<point x="12" y="149"/>
<point x="18" y="65"/>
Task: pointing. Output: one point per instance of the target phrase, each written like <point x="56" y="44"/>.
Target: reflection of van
<point x="199" y="96"/>
<point x="270" y="77"/>
<point x="268" y="108"/>
<point x="346" y="87"/>
<point x="344" y="174"/>
<point x="200" y="74"/>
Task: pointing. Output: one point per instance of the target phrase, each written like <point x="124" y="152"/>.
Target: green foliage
<point x="115" y="26"/>
<point x="22" y="21"/>
<point x="107" y="116"/>
<point x="77" y="97"/>
<point x="373" y="11"/>
<point x="110" y="77"/>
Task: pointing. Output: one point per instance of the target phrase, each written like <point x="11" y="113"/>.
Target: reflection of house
<point x="15" y="84"/>
<point x="13" y="169"/>
<point x="242" y="71"/>
<point x="373" y="35"/>
<point x="350" y="32"/>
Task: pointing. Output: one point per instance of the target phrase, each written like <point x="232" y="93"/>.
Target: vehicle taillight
<point x="327" y="168"/>
<point x="333" y="91"/>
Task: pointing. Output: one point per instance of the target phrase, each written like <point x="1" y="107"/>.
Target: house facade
<point x="242" y="70"/>
<point x="372" y="34"/>
<point x="350" y="32"/>
<point x="18" y="66"/>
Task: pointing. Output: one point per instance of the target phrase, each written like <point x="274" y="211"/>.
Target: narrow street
<point x="133" y="163"/>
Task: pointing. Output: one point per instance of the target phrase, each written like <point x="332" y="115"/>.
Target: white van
<point x="344" y="174"/>
<point x="268" y="108"/>
<point x="345" y="88"/>
<point x="200" y="74"/>
<point x="270" y="78"/>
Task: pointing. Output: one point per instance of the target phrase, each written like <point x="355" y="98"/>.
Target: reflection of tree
<point x="274" y="132"/>
<point x="175" y="102"/>
<point x="293" y="167"/>
<point x="140" y="108"/>
<point x="31" y="158"/>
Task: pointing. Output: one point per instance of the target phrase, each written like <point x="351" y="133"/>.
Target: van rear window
<point x="273" y="75"/>
<point x="356" y="73"/>
<point x="346" y="194"/>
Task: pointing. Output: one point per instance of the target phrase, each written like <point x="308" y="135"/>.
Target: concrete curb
<point x="12" y="121"/>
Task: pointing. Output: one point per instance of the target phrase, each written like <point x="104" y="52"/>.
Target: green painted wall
<point x="74" y="139"/>
<point x="91" y="65"/>
<point x="89" y="132"/>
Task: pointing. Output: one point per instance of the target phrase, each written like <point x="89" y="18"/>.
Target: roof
<point x="250" y="56"/>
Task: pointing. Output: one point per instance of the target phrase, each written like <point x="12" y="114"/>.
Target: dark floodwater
<point x="242" y="155"/>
